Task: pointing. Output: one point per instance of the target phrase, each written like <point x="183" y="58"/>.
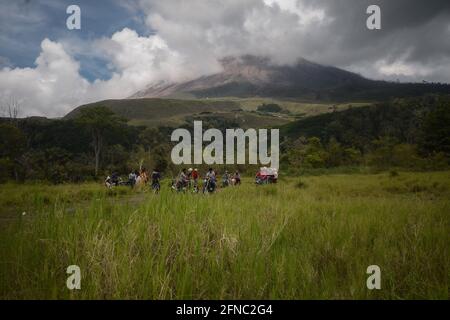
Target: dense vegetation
<point x="352" y="89"/>
<point x="412" y="133"/>
<point x="408" y="133"/>
<point x="270" y="107"/>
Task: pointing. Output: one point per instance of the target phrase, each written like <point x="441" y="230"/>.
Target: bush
<point x="271" y="107"/>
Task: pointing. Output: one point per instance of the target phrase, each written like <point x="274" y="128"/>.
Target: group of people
<point x="188" y="179"/>
<point x="135" y="178"/>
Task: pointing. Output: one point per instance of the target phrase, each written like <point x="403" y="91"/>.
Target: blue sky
<point x="25" y="23"/>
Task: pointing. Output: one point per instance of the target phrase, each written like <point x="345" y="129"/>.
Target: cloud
<point x="328" y="32"/>
<point x="306" y="15"/>
<point x="51" y="88"/>
<point x="188" y="38"/>
<point x="54" y="86"/>
<point x="209" y="30"/>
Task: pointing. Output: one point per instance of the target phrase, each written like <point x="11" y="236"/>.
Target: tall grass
<point x="268" y="242"/>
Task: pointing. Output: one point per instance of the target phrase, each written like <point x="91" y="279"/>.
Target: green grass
<point x="305" y="238"/>
<point x="153" y="112"/>
<point x="294" y="106"/>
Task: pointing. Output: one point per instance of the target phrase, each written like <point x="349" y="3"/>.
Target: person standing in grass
<point x="194" y="177"/>
<point x="189" y="177"/>
<point x="237" y="178"/>
<point x="144" y="176"/>
<point x="132" y="178"/>
<point x="156" y="177"/>
<point x="183" y="179"/>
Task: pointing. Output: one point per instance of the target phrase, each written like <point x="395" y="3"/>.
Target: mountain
<point x="251" y="76"/>
<point x="237" y="95"/>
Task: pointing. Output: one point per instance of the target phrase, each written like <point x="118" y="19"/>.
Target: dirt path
<point x="13" y="213"/>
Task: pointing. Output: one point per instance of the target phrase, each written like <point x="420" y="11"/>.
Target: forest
<point x="408" y="133"/>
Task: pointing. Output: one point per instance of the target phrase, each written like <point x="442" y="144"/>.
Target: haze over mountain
<point x="250" y="76"/>
<point x="248" y="82"/>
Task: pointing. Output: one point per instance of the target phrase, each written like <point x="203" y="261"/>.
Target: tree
<point x="336" y="153"/>
<point x="436" y="129"/>
<point x="315" y="154"/>
<point x="151" y="137"/>
<point x="271" y="107"/>
<point x="12" y="146"/>
<point x="11" y="109"/>
<point x="159" y="157"/>
<point x="98" y="120"/>
<point x="382" y="155"/>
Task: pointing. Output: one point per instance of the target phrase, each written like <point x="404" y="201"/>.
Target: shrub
<point x="271" y="107"/>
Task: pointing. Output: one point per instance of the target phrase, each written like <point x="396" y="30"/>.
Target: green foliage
<point x="13" y="141"/>
<point x="402" y="119"/>
<point x="98" y="121"/>
<point x="12" y="146"/>
<point x="383" y="151"/>
<point x="436" y="128"/>
<point x="98" y="118"/>
<point x="116" y="157"/>
<point x="402" y="133"/>
<point x="393" y="134"/>
<point x="270" y="107"/>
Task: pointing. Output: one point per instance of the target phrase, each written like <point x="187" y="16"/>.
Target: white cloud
<point x="306" y="15"/>
<point x="207" y="31"/>
<point x="401" y="68"/>
<point x="51" y="88"/>
<point x="191" y="36"/>
<point x="54" y="86"/>
<point x="189" y="43"/>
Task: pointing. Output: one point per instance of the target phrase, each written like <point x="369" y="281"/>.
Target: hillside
<point x="174" y="113"/>
<point x="235" y="112"/>
<point x="412" y="120"/>
<point x="251" y="76"/>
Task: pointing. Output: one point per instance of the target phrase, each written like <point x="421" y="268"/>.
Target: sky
<point x="125" y="45"/>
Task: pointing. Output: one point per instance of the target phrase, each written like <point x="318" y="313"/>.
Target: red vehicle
<point x="266" y="175"/>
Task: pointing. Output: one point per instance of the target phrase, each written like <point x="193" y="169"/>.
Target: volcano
<point x="252" y="76"/>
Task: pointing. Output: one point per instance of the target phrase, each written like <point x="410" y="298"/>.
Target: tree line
<point x="410" y="133"/>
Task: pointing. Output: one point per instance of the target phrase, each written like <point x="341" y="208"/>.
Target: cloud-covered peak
<point x="125" y="46"/>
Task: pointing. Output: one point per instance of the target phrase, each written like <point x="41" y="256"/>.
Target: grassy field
<point x="305" y="238"/>
<point x="294" y="106"/>
<point x="154" y="112"/>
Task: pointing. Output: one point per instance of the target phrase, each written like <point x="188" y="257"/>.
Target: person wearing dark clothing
<point x="156" y="177"/>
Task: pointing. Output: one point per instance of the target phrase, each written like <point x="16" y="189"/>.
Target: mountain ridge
<point x="250" y="76"/>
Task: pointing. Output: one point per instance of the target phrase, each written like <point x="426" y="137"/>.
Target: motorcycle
<point x="179" y="186"/>
<point x="156" y="187"/>
<point x="225" y="183"/>
<point x="209" y="186"/>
